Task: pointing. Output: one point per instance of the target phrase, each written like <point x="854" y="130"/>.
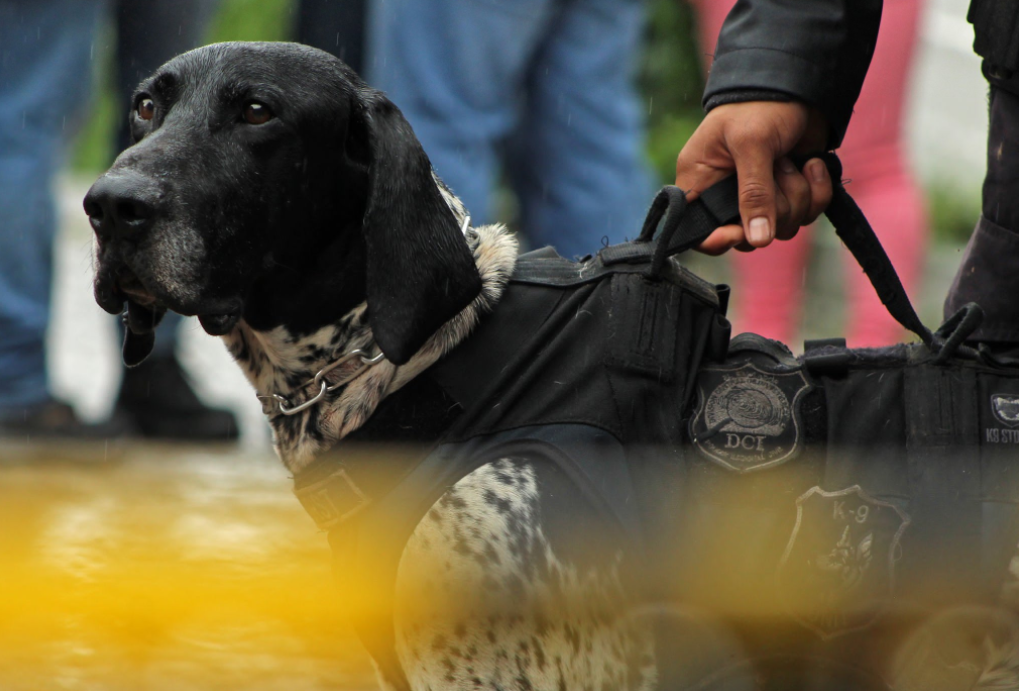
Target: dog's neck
<point x="278" y="362"/>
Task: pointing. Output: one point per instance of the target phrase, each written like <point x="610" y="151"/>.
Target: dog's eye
<point x="256" y="113"/>
<point x="146" y="109"/>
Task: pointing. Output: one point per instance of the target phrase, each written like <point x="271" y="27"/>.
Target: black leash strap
<point x="684" y="225"/>
<point x="856" y="232"/>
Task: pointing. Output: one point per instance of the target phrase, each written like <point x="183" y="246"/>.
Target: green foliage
<point x="953" y="212"/>
<point x="93" y="150"/>
<point x="672" y="81"/>
<point x="672" y="73"/>
<point x="254" y="20"/>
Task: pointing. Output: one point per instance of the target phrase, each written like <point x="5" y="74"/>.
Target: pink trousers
<point x="769" y="283"/>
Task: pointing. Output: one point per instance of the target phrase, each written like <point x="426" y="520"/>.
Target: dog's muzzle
<point x="122" y="206"/>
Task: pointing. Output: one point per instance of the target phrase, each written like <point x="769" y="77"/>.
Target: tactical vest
<point x="996" y="29"/>
<point x="835" y="483"/>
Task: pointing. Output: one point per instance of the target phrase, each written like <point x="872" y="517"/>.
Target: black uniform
<point x="818" y="51"/>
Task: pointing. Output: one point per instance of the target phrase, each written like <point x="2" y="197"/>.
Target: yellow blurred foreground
<point x="165" y="568"/>
<point x="148" y="568"/>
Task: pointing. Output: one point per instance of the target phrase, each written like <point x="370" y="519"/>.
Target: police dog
<point x="286" y="204"/>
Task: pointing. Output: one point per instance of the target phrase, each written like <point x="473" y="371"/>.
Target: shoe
<point x="56" y="421"/>
<point x="158" y="399"/>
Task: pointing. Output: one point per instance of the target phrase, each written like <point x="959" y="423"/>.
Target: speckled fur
<point x="536" y="621"/>
<point x="280" y="362"/>
<point x="483" y="601"/>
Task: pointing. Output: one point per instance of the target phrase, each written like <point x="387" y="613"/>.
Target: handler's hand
<point x="753" y="139"/>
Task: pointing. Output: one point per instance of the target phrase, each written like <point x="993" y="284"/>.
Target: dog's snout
<point x="121" y="205"/>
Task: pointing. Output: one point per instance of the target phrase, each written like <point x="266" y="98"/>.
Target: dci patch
<point x="748" y="417"/>
<point x="838" y="569"/>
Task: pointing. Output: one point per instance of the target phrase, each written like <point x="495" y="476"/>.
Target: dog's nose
<point x="121" y="205"/>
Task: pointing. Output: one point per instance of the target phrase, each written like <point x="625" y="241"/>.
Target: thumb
<point x="756" y="174"/>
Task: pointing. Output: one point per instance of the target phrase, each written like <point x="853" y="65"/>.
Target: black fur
<point x="282" y="223"/>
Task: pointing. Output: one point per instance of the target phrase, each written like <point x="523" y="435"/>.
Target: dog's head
<point x="269" y="183"/>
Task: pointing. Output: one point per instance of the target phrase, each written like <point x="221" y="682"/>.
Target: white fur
<point x="276" y="357"/>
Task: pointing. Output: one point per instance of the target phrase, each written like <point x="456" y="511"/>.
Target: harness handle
<point x="687" y="224"/>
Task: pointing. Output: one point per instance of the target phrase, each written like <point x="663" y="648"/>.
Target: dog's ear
<point x="420" y="271"/>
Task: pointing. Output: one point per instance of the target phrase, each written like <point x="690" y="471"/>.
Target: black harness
<point x="884" y="466"/>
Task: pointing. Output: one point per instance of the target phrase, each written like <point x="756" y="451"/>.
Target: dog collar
<point x="273" y="404"/>
<point x="277" y="403"/>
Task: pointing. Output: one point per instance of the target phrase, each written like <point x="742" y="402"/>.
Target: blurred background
<point x="155" y="565"/>
<point x="945" y="134"/>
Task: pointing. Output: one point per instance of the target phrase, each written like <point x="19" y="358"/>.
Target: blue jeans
<point x="540" y="90"/>
<point x="47" y="49"/>
<point x="46" y="53"/>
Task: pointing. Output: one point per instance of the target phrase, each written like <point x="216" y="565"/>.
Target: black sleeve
<point x="817" y="51"/>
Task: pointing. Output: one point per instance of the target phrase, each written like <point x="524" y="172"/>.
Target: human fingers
<point x="723" y="239"/>
<point x="816" y="174"/>
<point x="757" y="206"/>
<point x="793" y="200"/>
<point x="701" y="163"/>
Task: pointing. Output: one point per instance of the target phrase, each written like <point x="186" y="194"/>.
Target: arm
<point x="814" y="51"/>
<point x="785" y="77"/>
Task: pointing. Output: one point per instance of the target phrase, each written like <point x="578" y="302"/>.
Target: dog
<point x="288" y="205"/>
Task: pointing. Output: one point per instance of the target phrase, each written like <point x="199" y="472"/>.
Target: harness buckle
<point x="332" y="500"/>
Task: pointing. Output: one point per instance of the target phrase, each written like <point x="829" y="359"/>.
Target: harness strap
<point x="340" y="484"/>
<point x="687" y="224"/>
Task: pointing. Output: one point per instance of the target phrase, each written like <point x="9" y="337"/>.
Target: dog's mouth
<point x="115" y="285"/>
<point x="131" y="286"/>
<point x="119" y="284"/>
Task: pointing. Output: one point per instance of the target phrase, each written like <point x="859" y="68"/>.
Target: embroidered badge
<point x="838" y="570"/>
<point x="1005" y="409"/>
<point x="748" y="419"/>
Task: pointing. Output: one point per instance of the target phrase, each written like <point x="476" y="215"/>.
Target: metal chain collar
<point x="282" y="403"/>
<point x="275" y="401"/>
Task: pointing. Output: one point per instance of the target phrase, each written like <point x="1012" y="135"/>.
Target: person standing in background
<point x="48" y="51"/>
<point x="155" y="397"/>
<point x="769" y="296"/>
<point x="541" y="91"/>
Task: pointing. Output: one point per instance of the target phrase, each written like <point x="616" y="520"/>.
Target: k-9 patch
<point x="748" y="418"/>
<point x="838" y="570"/>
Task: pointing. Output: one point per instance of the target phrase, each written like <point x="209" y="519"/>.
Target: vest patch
<point x="1006" y="409"/>
<point x="838" y="570"/>
<point x="747" y="418"/>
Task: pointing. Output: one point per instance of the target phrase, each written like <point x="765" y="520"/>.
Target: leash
<point x="685" y="224"/>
